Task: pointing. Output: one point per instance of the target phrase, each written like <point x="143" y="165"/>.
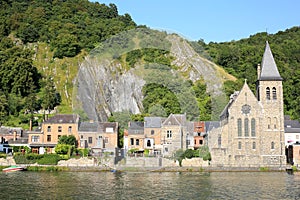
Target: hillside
<point x="83" y="57"/>
<point x="116" y="77"/>
<point x="240" y="58"/>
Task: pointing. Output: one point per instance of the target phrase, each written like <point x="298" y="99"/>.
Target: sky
<point x="212" y="20"/>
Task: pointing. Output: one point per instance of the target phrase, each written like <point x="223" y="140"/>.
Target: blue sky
<point x="213" y="20"/>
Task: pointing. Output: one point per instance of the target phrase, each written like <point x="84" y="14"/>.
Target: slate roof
<point x="175" y="119"/>
<point x="291" y="126"/>
<point x="269" y="69"/>
<point x="88" y="127"/>
<point x="153" y="122"/>
<point x="99" y="127"/>
<point x="63" y="119"/>
<point x="209" y="125"/>
<point x="136" y="128"/>
<point x="104" y="125"/>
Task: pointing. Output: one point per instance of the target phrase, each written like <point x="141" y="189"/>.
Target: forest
<point x="73" y="27"/>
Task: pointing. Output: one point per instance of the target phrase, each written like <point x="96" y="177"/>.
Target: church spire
<point x="269" y="69"/>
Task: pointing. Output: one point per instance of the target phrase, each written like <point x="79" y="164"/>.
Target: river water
<point x="151" y="185"/>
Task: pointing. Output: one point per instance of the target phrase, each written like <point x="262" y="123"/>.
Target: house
<point x="174" y="134"/>
<point x="251" y="132"/>
<point x="51" y="131"/>
<point x="98" y="136"/>
<point x="199" y="133"/>
<point x="134" y="137"/>
<point x="291" y="131"/>
<point x="152" y="132"/>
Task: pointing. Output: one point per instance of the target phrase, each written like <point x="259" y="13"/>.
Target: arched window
<point x="275" y="123"/>
<point x="272" y="145"/>
<point x="269" y="123"/>
<point x="246" y="121"/>
<point x="240" y="145"/>
<point x="253" y="145"/>
<point x="274" y="93"/>
<point x="239" y="123"/>
<point x="268" y="93"/>
<point x="253" y="127"/>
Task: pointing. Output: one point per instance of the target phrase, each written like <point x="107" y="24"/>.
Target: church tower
<point x="270" y="96"/>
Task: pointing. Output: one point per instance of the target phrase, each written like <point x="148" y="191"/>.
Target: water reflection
<point x="137" y="185"/>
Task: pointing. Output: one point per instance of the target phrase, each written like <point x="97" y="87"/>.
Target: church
<point x="251" y="132"/>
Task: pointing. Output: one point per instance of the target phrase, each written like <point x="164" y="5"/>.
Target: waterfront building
<point x="51" y="130"/>
<point x="251" y="132"/>
<point x="98" y="136"/>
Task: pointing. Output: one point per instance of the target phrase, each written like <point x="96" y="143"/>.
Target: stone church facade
<point x="252" y="126"/>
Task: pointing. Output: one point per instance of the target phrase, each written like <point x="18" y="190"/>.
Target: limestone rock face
<point x="102" y="89"/>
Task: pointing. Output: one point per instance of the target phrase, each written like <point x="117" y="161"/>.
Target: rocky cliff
<point x="104" y="85"/>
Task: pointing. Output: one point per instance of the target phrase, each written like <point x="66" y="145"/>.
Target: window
<point x="90" y="140"/>
<point x="152" y="132"/>
<point x="49" y="129"/>
<point x="131" y="141"/>
<point x="246" y="121"/>
<point x="48" y="138"/>
<point x="148" y="143"/>
<point x="59" y="129"/>
<point x="188" y="142"/>
<point x="269" y="123"/>
<point x="81" y="136"/>
<point x="137" y="142"/>
<point x="240" y="145"/>
<point x="70" y="129"/>
<point x="219" y="140"/>
<point x="272" y="145"/>
<point x="200" y="141"/>
<point x="275" y="123"/>
<point x="253" y="145"/>
<point x="109" y="130"/>
<point x="169" y="134"/>
<point x="106" y="140"/>
<point x="166" y="149"/>
<point x="268" y="93"/>
<point x="297" y="137"/>
<point x="35" y="138"/>
<point x="253" y="127"/>
<point x="274" y="93"/>
<point x="239" y="122"/>
<point x="195" y="142"/>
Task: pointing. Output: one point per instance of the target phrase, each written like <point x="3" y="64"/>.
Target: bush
<point x="21" y="159"/>
<point x="49" y="159"/>
<point x="3" y="155"/>
<point x="33" y="156"/>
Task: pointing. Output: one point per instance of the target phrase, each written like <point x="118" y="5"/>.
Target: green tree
<point x="67" y="139"/>
<point x="49" y="98"/>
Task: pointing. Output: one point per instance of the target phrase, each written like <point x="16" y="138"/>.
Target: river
<point x="151" y="185"/>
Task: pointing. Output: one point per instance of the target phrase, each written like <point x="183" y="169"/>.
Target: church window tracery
<point x="246" y="121"/>
<point x="239" y="123"/>
<point x="253" y="127"/>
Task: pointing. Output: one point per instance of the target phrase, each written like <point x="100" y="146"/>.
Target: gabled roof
<point x="175" y="119"/>
<point x="63" y="119"/>
<point x="209" y="125"/>
<point x="104" y="125"/>
<point x="153" y="122"/>
<point x="269" y="69"/>
<point x="136" y="128"/>
<point x="88" y="127"/>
